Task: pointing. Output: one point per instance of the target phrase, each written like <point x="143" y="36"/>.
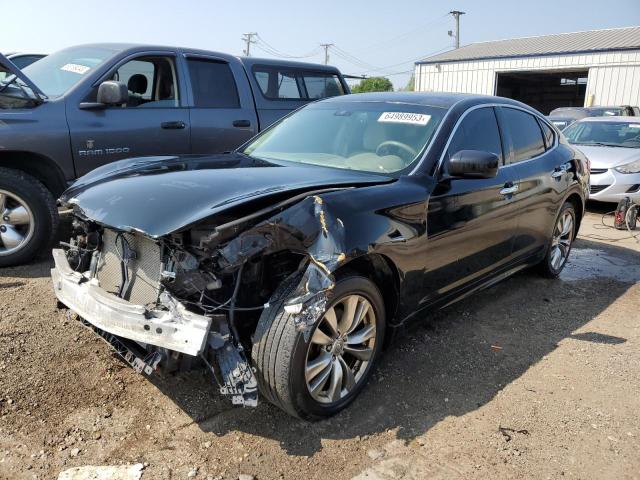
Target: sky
<point x="371" y="37"/>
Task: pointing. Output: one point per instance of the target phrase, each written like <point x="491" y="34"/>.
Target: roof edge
<point x="526" y="55"/>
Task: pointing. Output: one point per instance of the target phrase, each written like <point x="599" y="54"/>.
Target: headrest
<point x="137" y="84"/>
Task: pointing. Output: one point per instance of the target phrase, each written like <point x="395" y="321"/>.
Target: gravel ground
<point x="530" y="379"/>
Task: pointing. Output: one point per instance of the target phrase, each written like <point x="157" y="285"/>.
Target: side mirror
<point x="113" y="93"/>
<point x="473" y="164"/>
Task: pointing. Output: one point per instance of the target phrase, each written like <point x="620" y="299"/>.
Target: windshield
<point x="371" y="137"/>
<point x="613" y="134"/>
<point x="58" y="72"/>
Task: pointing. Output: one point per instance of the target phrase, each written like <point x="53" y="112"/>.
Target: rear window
<point x="213" y="84"/>
<point x="286" y="84"/>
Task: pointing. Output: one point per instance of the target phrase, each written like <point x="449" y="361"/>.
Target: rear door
<point x="472" y="222"/>
<point x="545" y="174"/>
<point x="155" y="121"/>
<point x="222" y="111"/>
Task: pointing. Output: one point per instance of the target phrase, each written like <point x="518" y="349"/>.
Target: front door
<point x="153" y="122"/>
<point x="471" y="222"/>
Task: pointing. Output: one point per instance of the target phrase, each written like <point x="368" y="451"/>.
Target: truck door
<point x="154" y="121"/>
<point x="222" y="112"/>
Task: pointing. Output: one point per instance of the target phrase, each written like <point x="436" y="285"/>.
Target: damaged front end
<point x="198" y="293"/>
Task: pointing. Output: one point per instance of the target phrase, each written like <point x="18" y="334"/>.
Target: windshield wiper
<point x="597" y="144"/>
<point x="34" y="95"/>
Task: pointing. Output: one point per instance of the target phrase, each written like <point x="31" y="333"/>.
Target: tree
<point x="373" y="84"/>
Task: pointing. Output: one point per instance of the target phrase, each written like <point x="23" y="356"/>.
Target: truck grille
<point x="144" y="270"/>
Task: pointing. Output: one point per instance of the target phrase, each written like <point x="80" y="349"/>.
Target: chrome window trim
<point x="491" y="105"/>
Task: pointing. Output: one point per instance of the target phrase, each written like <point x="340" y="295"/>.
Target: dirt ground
<point x="532" y="378"/>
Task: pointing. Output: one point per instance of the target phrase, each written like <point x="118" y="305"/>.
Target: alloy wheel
<point x="561" y="242"/>
<point x="341" y="348"/>
<point x="16" y="223"/>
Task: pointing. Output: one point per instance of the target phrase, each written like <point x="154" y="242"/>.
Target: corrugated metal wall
<point x="614" y="77"/>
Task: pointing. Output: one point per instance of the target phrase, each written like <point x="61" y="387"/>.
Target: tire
<point x="549" y="267"/>
<point x="280" y="352"/>
<point x="25" y="192"/>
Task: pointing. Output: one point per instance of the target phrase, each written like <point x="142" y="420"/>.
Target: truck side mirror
<point x="112" y="93"/>
<point x="473" y="164"/>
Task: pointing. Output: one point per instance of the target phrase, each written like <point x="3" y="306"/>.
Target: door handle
<point x="560" y="171"/>
<point x="173" y="125"/>
<point x="241" y="123"/>
<point x="510" y="190"/>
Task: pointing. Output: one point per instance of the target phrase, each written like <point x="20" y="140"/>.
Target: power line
<point x="386" y="43"/>
<point x="268" y="48"/>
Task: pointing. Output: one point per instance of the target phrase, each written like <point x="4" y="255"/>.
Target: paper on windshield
<point x="404" y="117"/>
<point x="75" y="68"/>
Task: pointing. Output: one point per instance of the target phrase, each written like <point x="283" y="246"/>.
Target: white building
<point x="600" y="67"/>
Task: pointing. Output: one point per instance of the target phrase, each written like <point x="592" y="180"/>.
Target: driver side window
<point x="151" y="81"/>
<point x="478" y="131"/>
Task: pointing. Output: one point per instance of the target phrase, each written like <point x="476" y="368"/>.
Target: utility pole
<point x="248" y="39"/>
<point x="456" y="14"/>
<point x="326" y="51"/>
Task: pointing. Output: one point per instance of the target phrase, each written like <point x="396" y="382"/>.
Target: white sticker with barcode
<point x="634" y="125"/>
<point x="75" y="68"/>
<point x="405" y="117"/>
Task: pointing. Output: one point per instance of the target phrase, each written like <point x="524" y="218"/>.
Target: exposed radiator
<point x="144" y="270"/>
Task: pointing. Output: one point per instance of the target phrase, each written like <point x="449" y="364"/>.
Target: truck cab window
<point x="213" y="84"/>
<point x="151" y="81"/>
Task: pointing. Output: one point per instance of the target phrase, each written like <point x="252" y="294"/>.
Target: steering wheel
<point x="403" y="150"/>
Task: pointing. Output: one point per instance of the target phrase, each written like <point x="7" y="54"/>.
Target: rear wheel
<point x="317" y="378"/>
<point x="28" y="217"/>
<point x="561" y="242"/>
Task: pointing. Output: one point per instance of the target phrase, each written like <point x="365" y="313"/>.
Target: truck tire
<point x="28" y="217"/>
<point x="287" y="365"/>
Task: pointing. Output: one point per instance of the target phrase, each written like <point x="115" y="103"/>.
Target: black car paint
<point x="435" y="238"/>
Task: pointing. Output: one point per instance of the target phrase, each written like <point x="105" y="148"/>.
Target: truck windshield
<point x="58" y="72"/>
<point x="376" y="137"/>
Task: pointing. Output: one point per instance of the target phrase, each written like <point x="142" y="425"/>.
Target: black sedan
<point x="281" y="266"/>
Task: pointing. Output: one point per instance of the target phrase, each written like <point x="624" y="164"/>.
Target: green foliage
<point x="373" y="84"/>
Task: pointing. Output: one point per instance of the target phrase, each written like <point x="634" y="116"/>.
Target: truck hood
<point x="609" y="157"/>
<point x="160" y="195"/>
<point x="7" y="65"/>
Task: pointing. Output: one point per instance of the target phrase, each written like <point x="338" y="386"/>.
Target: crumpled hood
<point x="609" y="157"/>
<point x="161" y="195"/>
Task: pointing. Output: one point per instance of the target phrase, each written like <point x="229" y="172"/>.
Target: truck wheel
<point x="28" y="217"/>
<point x="317" y="378"/>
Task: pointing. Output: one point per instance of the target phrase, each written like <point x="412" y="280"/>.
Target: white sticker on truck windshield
<point x="405" y="117"/>
<point x="75" y="68"/>
<point x="634" y="125"/>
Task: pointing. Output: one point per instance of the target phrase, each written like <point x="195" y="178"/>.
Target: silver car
<point x="612" y="146"/>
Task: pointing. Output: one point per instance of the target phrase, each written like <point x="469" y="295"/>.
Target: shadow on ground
<point x="452" y="363"/>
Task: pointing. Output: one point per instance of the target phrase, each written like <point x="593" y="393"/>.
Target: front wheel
<point x="561" y="242"/>
<point x="318" y="377"/>
<point x="28" y="217"/>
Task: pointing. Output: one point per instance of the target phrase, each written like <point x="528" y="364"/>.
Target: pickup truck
<point x="89" y="105"/>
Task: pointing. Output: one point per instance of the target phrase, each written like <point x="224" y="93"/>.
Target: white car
<point x="612" y="145"/>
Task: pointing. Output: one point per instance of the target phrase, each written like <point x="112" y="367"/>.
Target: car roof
<point x="432" y="99"/>
<point x="249" y="62"/>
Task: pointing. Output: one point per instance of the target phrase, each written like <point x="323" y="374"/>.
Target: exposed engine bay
<point x="195" y="296"/>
